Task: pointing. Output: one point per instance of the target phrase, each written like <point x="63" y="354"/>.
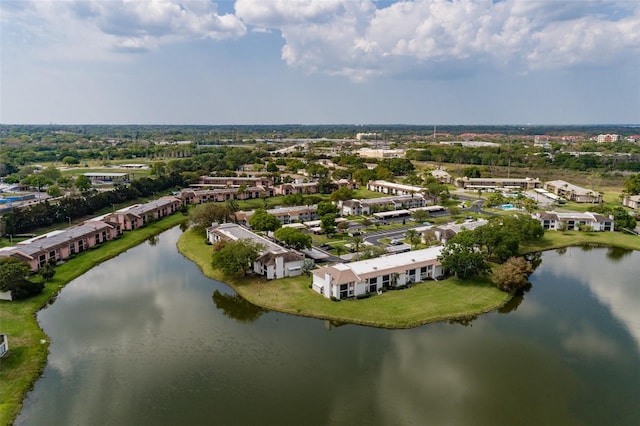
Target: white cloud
<point x="89" y="29"/>
<point x="354" y="38"/>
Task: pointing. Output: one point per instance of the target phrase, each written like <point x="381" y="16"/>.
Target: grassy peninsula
<point x="423" y="303"/>
<point x="28" y="345"/>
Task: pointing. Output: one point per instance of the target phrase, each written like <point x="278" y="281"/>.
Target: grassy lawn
<point x="423" y="303"/>
<point x="28" y="345"/>
<point x="557" y="239"/>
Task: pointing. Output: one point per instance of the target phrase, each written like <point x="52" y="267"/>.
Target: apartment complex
<point x="347" y="280"/>
<point x="572" y="221"/>
<point x="572" y="192"/>
<point x="497" y="183"/>
<point x="274" y="261"/>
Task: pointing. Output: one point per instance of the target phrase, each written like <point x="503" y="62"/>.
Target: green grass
<point x="28" y="345"/>
<point x="423" y="303"/>
<point x="556" y="239"/>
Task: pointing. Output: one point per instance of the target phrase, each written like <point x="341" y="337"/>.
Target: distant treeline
<point x="39" y="215"/>
<point x="177" y="132"/>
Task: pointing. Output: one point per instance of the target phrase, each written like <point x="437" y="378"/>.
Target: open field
<point x="27" y="342"/>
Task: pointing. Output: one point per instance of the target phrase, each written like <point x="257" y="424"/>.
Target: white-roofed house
<point x="274" y="261"/>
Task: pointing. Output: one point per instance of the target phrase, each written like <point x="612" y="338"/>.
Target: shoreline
<point x="28" y="344"/>
<point x="28" y="356"/>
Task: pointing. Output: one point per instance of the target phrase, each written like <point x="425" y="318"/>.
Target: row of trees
<point x="470" y="251"/>
<point x="28" y="218"/>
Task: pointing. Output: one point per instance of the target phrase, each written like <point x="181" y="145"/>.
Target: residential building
<point x="573" y="192"/>
<point x="442" y="176"/>
<point x="138" y="215"/>
<point x="60" y="244"/>
<point x="631" y="201"/>
<point x="369" y="206"/>
<point x="199" y="196"/>
<point x="234" y="181"/>
<point x="444" y="233"/>
<point x="571" y="221"/>
<point x="608" y="138"/>
<point x="285" y="215"/>
<point x="393" y="188"/>
<point x="497" y="183"/>
<point x="109" y="177"/>
<point x="296" y="188"/>
<point x="346" y="280"/>
<point x="274" y="261"/>
<point x="381" y="153"/>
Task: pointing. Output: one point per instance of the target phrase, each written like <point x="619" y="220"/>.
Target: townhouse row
<point x="61" y="244"/>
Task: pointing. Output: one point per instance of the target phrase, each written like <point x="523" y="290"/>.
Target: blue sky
<point x="319" y="62"/>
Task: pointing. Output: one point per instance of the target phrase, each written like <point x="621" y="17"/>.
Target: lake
<point x="146" y="339"/>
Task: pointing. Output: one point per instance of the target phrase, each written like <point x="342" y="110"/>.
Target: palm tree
<point x="414" y="237"/>
<point x="357" y="241"/>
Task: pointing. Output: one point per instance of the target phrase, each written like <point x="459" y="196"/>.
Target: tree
<point x="471" y="172"/>
<point x="342" y="194"/>
<point x="326" y="207"/>
<point x="13" y="278"/>
<point x="632" y="184"/>
<point x="48" y="271"/>
<point x="294" y="238"/>
<point x="307" y="266"/>
<point x="54" y="191"/>
<point x="420" y="215"/>
<point x="83" y="183"/>
<point x="414" y="237"/>
<point x="272" y="167"/>
<point x="236" y="256"/>
<point x="52" y="173"/>
<point x="357" y="241"/>
<point x="260" y="220"/>
<point x="203" y="215"/>
<point x="461" y="256"/>
<point x="513" y="274"/>
<point x="69" y="160"/>
<point x="363" y="176"/>
<point x="328" y="224"/>
<point x="622" y="219"/>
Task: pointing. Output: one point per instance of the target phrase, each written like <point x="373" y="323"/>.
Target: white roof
<point x="393" y="261"/>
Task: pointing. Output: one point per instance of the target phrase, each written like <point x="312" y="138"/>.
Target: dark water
<point x="140" y="340"/>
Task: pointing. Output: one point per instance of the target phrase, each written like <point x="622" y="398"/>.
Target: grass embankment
<point x="27" y="355"/>
<point x="423" y="303"/>
<point x="556" y="239"/>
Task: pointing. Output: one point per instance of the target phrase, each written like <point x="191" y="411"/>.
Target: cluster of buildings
<point x="59" y="245"/>
<point x="572" y="192"/>
<point x="573" y="221"/>
<point x="274" y="261"/>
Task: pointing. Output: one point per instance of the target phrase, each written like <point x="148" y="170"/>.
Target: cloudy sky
<point x="319" y="61"/>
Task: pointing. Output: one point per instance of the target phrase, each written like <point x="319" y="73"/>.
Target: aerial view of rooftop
<point x="314" y="212"/>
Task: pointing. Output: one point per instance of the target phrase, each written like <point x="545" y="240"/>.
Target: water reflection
<point x="137" y="341"/>
<point x="616" y="254"/>
<point x="236" y="307"/>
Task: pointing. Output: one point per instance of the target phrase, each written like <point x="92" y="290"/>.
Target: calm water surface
<point x="145" y="339"/>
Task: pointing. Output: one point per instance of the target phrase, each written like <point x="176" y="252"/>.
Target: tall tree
<point x="461" y="256"/>
<point x="203" y="215"/>
<point x="294" y="238"/>
<point x="236" y="256"/>
<point x="414" y="238"/>
<point x="260" y="220"/>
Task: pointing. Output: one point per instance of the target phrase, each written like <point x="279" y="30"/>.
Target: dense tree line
<point x="468" y="253"/>
<point x="29" y="218"/>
